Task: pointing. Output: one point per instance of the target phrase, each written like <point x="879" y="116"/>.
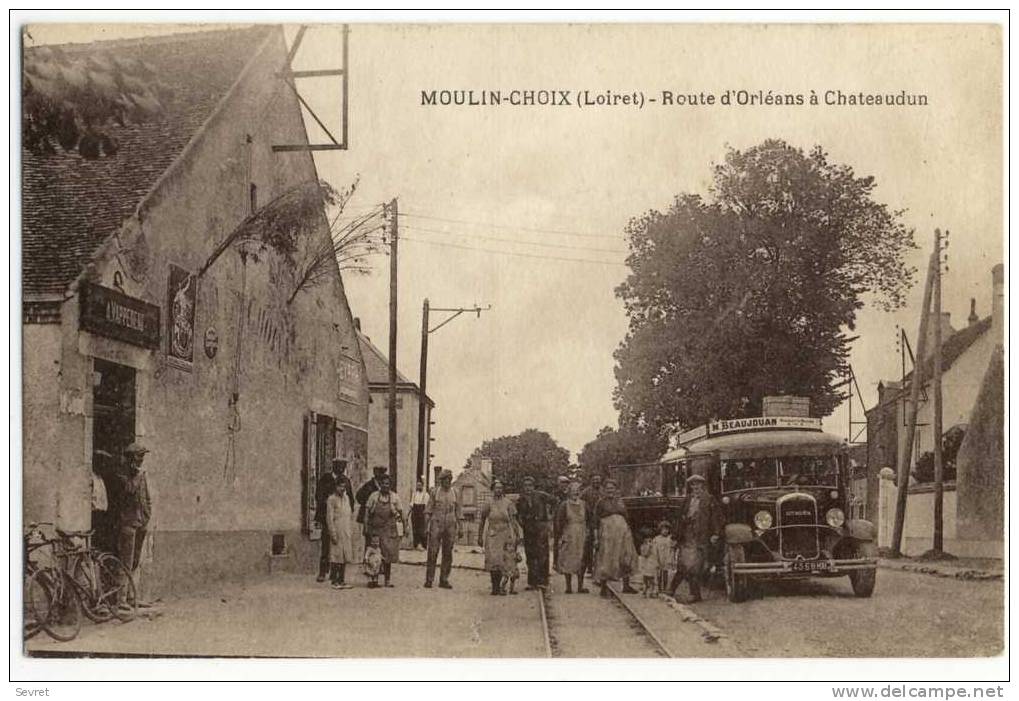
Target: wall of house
<point x="960" y="386"/>
<point x="226" y="432"/>
<point x="406" y="437"/>
<point x="41" y="437"/>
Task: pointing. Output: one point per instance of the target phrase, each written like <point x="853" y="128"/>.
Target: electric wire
<point x="415" y="227"/>
<point x="489" y="225"/>
<point x="512" y="253"/>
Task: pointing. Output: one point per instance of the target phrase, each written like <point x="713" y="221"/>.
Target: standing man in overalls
<point x="443" y="516"/>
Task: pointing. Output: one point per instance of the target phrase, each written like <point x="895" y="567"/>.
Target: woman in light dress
<point x="616" y="556"/>
<point x="571" y="524"/>
<point x="497" y="529"/>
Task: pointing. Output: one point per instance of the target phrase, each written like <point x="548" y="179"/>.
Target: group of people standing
<point x="589" y="528"/>
<point x="382" y="519"/>
<point x="592" y="537"/>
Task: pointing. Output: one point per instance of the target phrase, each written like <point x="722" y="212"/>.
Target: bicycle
<point x="51" y="600"/>
<point x="104" y="585"/>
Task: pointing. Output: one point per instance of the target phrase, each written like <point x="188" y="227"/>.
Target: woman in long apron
<point x="571" y="524"/>
<point x="497" y="529"/>
<point x="616" y="555"/>
<point x="339" y="509"/>
<point x="383" y="514"/>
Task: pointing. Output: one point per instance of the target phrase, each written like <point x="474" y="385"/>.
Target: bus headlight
<point x="835" y="518"/>
<point x="762" y="519"/>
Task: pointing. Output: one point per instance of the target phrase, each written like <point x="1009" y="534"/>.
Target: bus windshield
<point x="817" y="470"/>
<point x="748" y="474"/>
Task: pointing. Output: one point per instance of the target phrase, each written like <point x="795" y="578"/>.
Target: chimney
<point x="972" y="318"/>
<point x="998" y="302"/>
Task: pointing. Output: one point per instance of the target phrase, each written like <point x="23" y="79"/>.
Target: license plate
<point x="810" y="566"/>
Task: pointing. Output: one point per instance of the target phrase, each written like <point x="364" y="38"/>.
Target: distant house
<point x="474" y="485"/>
<point x="134" y="329"/>
<point x="408" y="401"/>
<point x="967" y="356"/>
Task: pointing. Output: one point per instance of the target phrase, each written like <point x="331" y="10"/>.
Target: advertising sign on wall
<point x="181" y="298"/>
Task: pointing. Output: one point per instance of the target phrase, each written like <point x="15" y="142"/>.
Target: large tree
<point x="624" y="446"/>
<point x="754" y="289"/>
<point x="531" y="452"/>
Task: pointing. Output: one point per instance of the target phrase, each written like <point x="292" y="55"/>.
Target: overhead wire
<point x="490" y="225"/>
<point x="512" y="253"/>
<point x="415" y="227"/>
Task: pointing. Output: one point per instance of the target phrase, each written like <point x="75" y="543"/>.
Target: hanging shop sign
<point x="181" y="297"/>
<point x="113" y="314"/>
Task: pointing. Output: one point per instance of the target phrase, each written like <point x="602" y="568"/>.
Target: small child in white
<point x="511" y="569"/>
<point x="647" y="563"/>
<point x="665" y="553"/>
<point x="373" y="562"/>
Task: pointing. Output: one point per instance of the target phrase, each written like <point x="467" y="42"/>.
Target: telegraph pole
<point x="905" y="454"/>
<point x="423" y="399"/>
<point x="423" y="383"/>
<point x="939" y="486"/>
<point x="394" y="237"/>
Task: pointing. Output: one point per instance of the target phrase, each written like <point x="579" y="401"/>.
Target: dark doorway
<point x="113" y="429"/>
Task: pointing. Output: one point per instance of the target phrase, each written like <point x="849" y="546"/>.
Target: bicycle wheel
<point x="89" y="581"/>
<point x="64" y="619"/>
<point x="116" y="587"/>
<point x="37" y="604"/>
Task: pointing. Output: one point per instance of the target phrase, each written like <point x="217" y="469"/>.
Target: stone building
<point x="241" y="390"/>
<point x="408" y="401"/>
<point x="474" y="485"/>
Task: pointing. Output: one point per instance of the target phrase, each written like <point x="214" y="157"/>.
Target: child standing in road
<point x="647" y="563"/>
<point x="373" y="562"/>
<point x="665" y="553"/>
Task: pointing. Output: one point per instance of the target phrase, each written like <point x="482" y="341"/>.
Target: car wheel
<point x="736" y="585"/>
<point x="863" y="581"/>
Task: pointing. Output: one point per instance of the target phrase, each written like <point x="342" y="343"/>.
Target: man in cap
<point x="134" y="506"/>
<point x="326" y="486"/>
<point x="534" y="512"/>
<point x="443" y="517"/>
<point x="700" y="525"/>
<point x="367" y="489"/>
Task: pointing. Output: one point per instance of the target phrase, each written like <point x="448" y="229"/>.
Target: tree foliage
<point x="74" y="99"/>
<point x="752" y="290"/>
<point x="624" y="446"/>
<point x="531" y="452"/>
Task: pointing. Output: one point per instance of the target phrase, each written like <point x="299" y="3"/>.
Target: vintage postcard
<point x="516" y="340"/>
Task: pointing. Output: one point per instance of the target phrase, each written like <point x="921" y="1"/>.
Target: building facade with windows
<point x="408" y="402"/>
<point x="133" y="329"/>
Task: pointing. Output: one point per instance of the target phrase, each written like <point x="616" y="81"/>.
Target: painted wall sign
<point x="113" y="314"/>
<point x="211" y="342"/>
<point x="181" y="296"/>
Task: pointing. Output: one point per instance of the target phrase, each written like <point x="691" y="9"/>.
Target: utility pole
<point x="939" y="486"/>
<point x="423" y="399"/>
<point x="423" y="383"/>
<point x="394" y="237"/>
<point x="905" y="454"/>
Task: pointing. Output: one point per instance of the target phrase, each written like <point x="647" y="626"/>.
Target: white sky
<point x="542" y="357"/>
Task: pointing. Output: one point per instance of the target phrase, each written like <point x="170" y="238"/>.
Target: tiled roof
<point x="951" y="350"/>
<point x="376" y="364"/>
<point x="71" y="205"/>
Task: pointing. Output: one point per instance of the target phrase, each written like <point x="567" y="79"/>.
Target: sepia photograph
<point x="516" y="340"/>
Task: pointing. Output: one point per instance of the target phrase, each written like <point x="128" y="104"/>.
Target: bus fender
<point x="736" y="533"/>
<point x="858" y="529"/>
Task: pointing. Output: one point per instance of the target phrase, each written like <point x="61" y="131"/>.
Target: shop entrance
<point x="113" y="429"/>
